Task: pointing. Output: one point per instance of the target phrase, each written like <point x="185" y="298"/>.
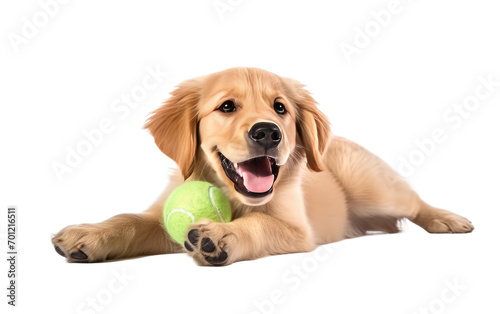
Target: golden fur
<point x="328" y="188"/>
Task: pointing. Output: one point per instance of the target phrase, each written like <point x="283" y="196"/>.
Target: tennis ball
<point x="190" y="202"/>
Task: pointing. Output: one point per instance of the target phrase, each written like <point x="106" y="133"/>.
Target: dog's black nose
<point x="266" y="134"/>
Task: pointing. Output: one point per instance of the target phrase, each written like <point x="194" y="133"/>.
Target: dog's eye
<point x="227" y="106"/>
<point x="279" y="108"/>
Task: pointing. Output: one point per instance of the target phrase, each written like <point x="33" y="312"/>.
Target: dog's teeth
<point x="235" y="165"/>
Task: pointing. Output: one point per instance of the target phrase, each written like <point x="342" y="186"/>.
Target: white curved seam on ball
<point x="210" y="189"/>
<point x="175" y="210"/>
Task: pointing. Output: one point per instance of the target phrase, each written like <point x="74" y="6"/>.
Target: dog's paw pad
<point x="218" y="259"/>
<point x="79" y="255"/>
<point x="193" y="236"/>
<point x="187" y="246"/>
<point x="59" y="251"/>
<point x="207" y="245"/>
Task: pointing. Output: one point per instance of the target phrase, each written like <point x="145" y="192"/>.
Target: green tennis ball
<point x="190" y="202"/>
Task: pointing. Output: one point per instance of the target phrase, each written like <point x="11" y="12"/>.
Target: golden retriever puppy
<point x="292" y="185"/>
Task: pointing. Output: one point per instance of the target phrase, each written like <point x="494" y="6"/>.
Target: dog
<point x="292" y="185"/>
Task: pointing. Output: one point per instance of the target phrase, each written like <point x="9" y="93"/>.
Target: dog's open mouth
<point x="254" y="177"/>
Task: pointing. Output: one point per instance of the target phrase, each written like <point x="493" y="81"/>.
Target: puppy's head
<point x="244" y="125"/>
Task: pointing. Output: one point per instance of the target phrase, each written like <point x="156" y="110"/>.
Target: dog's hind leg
<point x="377" y="197"/>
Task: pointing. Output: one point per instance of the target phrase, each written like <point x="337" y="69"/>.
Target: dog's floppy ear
<point x="174" y="125"/>
<point x="313" y="126"/>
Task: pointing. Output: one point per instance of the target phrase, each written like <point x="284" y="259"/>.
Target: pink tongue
<point x="257" y="184"/>
<point x="257" y="174"/>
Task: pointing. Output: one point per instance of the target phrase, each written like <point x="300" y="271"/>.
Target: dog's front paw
<point x="83" y="243"/>
<point x="209" y="243"/>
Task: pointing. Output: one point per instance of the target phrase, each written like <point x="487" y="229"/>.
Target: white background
<point x="394" y="92"/>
